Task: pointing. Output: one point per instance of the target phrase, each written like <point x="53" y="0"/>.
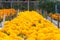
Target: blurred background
<point x="50" y="9"/>
<point x="49" y="5"/>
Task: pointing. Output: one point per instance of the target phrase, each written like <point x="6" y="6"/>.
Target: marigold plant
<point x="7" y="12"/>
<point x="55" y="16"/>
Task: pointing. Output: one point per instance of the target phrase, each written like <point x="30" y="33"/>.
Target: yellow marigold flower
<point x="30" y="38"/>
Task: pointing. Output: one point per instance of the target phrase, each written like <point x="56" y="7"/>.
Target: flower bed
<point x="55" y="16"/>
<point x="29" y="25"/>
<point x="7" y="12"/>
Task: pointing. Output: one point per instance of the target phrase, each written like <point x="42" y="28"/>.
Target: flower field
<point x="29" y="25"/>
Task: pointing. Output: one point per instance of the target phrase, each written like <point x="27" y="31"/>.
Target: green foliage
<point x="43" y="4"/>
<point x="47" y="5"/>
<point x="6" y="5"/>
